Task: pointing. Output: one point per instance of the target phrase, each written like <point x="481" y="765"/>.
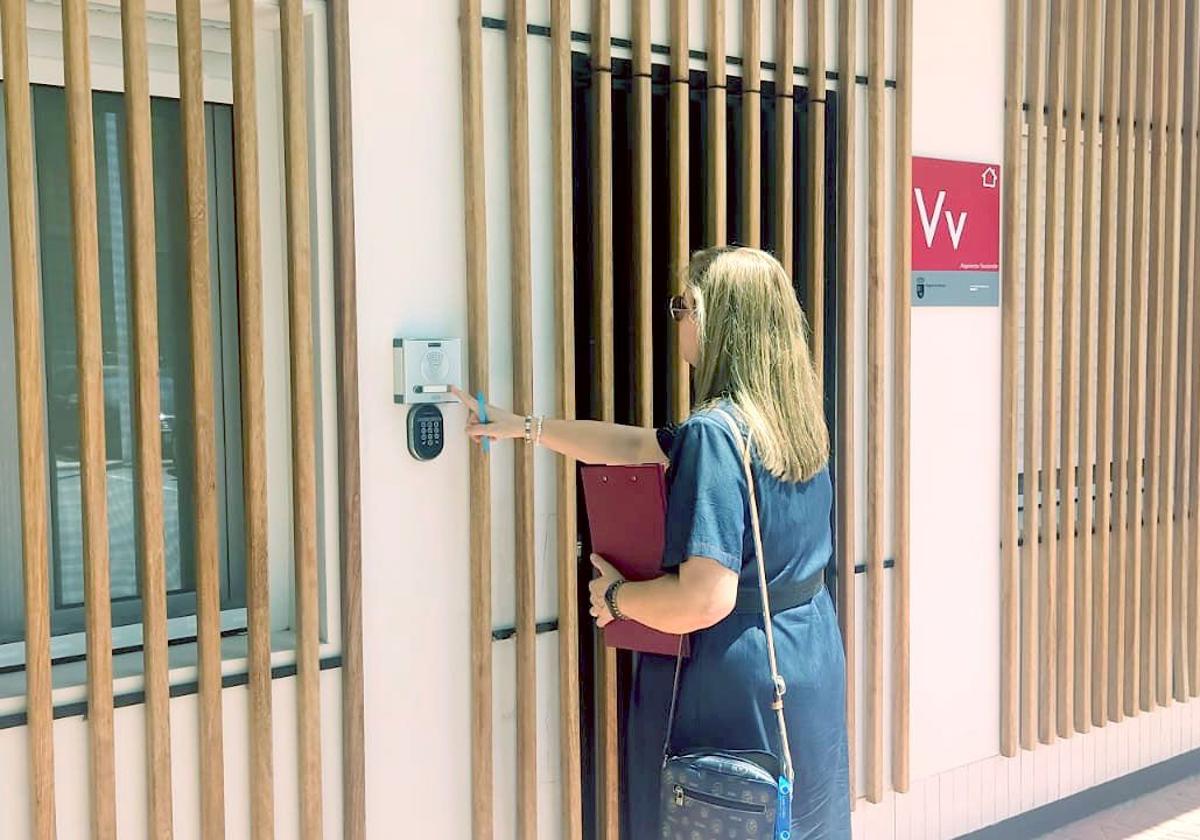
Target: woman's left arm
<point x="703" y="593"/>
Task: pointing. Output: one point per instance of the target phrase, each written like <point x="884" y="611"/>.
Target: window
<point x="176" y="391"/>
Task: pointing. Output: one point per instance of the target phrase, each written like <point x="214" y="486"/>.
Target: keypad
<point x="425" y="432"/>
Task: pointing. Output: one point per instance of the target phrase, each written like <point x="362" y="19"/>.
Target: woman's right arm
<point x="595" y="442"/>
<point x="588" y="441"/>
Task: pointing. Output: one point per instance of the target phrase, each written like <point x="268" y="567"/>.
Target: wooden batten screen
<point x="659" y="150"/>
<point x="160" y="819"/>
<point x="1100" y="435"/>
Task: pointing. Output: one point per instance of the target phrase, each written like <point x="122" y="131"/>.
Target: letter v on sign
<point x="956" y="232"/>
<point x="930" y="221"/>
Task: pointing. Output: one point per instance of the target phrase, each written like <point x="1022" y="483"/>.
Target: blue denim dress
<point x="725" y="690"/>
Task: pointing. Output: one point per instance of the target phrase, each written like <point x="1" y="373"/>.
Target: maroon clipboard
<point x="627" y="512"/>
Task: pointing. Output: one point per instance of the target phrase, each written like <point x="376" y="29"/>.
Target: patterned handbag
<point x="710" y="794"/>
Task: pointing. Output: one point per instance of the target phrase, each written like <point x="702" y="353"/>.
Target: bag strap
<point x="780" y="687"/>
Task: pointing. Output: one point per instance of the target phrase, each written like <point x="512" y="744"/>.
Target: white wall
<point x="958" y="113"/>
<point x="409" y="224"/>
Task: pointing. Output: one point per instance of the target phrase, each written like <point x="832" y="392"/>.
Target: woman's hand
<point x="599" y="585"/>
<point x="501" y="424"/>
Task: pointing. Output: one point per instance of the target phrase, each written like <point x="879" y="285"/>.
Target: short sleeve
<point x="706" y="509"/>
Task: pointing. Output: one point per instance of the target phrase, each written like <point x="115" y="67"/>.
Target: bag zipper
<point x="682" y="794"/>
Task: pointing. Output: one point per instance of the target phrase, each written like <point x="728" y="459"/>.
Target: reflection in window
<point x="175" y="362"/>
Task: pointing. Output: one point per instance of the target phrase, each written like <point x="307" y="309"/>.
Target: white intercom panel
<point x="424" y="369"/>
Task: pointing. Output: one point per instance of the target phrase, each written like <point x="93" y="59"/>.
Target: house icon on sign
<point x="990" y="178"/>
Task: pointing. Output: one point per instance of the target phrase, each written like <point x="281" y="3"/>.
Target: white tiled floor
<point x="1172" y="813"/>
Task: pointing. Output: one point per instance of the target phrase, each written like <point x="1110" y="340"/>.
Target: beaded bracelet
<point x="610" y="599"/>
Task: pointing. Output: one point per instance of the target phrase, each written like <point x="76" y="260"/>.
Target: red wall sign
<point x="955" y="233"/>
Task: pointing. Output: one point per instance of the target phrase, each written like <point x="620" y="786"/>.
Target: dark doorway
<point x="623" y="143"/>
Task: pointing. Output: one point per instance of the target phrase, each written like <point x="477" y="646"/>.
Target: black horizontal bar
<point x="118" y="651"/>
<point x="888" y="563"/>
<point x="137" y="698"/>
<point x="1185" y="128"/>
<point x="499" y="635"/>
<point x="1094" y="531"/>
<point x="662" y="49"/>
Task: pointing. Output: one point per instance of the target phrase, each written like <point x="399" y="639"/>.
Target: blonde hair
<point x="754" y="352"/>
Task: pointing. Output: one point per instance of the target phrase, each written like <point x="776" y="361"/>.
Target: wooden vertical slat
<point x="750" y="232"/>
<point x="1010" y="575"/>
<point x="877" y="268"/>
<point x="152" y="583"/>
<point x="1141" y="601"/>
<point x="207" y="546"/>
<point x="1035" y="95"/>
<point x="1190" y="435"/>
<point x="815" y="211"/>
<point x="901" y="378"/>
<point x="1087" y="274"/>
<point x="1050" y="608"/>
<point x="1121" y="583"/>
<point x="1153" y="580"/>
<point x="1106" y="527"/>
<point x="303" y="406"/>
<point x="785" y="26"/>
<point x="93" y="479"/>
<point x="643" y="254"/>
<point x="643" y="353"/>
<point x="847" y="522"/>
<point x="250" y="330"/>
<point x="678" y="136"/>
<point x="602" y="234"/>
<point x="1172" y="684"/>
<point x="354" y="814"/>
<point x="482" y="793"/>
<point x="564" y="309"/>
<point x="716" y="226"/>
<point x="31" y="418"/>
<point x="604" y="407"/>
<point x="523" y="484"/>
<point x="1068" y="628"/>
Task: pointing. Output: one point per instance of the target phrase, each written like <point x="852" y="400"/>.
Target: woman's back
<point x="708" y="496"/>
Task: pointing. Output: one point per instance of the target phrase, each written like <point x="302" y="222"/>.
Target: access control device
<point x="423" y="371"/>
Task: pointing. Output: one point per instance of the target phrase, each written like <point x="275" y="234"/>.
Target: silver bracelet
<point x="537" y="438"/>
<point x="528" y="429"/>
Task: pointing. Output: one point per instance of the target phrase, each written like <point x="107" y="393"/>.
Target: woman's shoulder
<point x="710" y="425"/>
<point x="699" y="425"/>
<point x="715" y="415"/>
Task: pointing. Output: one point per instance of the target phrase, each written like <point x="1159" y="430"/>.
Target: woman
<point x="742" y="330"/>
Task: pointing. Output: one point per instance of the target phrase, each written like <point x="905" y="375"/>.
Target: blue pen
<point x="483" y="418"/>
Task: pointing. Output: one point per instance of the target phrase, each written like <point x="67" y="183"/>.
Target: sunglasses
<point x="679" y="308"/>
